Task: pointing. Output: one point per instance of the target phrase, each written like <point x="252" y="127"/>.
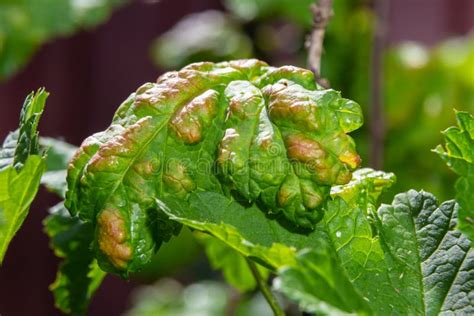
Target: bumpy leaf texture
<point x="21" y="167"/>
<point x="242" y="129"/>
<point x="459" y="155"/>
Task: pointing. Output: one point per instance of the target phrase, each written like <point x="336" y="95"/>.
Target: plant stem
<point x="322" y="12"/>
<point x="265" y="290"/>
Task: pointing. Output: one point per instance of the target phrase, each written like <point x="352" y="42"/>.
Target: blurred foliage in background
<point x="422" y="86"/>
<point x="26" y="24"/>
<point x="210" y="35"/>
<point x="206" y="298"/>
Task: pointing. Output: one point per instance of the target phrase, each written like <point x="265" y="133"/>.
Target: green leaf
<point x="17" y="191"/>
<point x="458" y="153"/>
<point x="233" y="265"/>
<point x="23" y="142"/>
<point x="78" y="276"/>
<point x="353" y="256"/>
<point x="327" y="258"/>
<point x="430" y="261"/>
<point x="21" y="169"/>
<point x="318" y="284"/>
<point x="406" y="257"/>
<point x="238" y="129"/>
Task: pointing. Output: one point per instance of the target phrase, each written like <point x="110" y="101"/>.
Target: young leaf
<point x="78" y="276"/>
<point x="274" y="139"/>
<point x="459" y="155"/>
<point x="23" y="142"/>
<point x="21" y="168"/>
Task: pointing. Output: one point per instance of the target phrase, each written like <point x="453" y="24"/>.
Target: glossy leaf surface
<point x="238" y="129"/>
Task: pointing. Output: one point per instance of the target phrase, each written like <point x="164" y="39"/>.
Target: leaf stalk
<point x="263" y="287"/>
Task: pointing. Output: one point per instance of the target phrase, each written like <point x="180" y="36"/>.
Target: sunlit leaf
<point x="21" y="168"/>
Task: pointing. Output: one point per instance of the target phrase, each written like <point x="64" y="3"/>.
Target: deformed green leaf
<point x="238" y="129"/>
<point x="459" y="155"/>
<point x="21" y="168"/>
<point x="78" y="276"/>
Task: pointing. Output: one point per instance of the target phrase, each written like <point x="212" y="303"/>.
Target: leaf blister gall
<point x="275" y="139"/>
<point x="112" y="237"/>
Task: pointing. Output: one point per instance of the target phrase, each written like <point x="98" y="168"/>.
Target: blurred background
<point x="91" y="54"/>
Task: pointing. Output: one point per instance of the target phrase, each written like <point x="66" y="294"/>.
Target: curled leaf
<point x="241" y="128"/>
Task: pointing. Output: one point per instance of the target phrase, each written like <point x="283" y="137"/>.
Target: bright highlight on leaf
<point x="239" y="129"/>
<point x="258" y="158"/>
<point x="21" y="168"/>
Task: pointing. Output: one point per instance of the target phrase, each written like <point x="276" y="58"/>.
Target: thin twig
<point x="377" y="125"/>
<point x="322" y="13"/>
<point x="265" y="290"/>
